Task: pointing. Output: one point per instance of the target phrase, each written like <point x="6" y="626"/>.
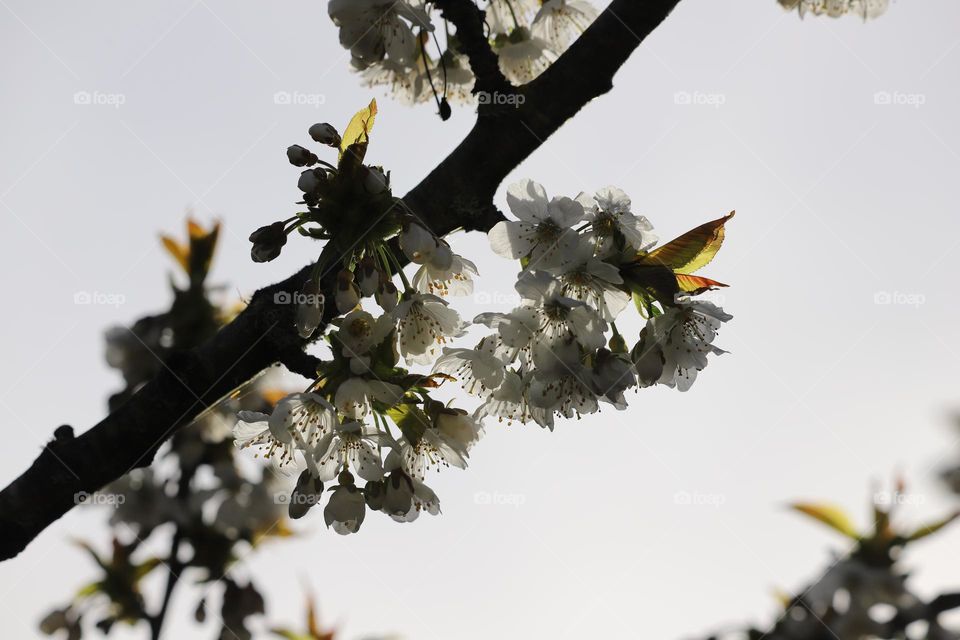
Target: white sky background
<point x="838" y="198"/>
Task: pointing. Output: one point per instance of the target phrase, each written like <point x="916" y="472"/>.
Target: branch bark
<point x="458" y="193"/>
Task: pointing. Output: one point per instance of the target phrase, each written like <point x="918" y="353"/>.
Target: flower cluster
<point x="369" y="417"/>
<point x="388" y="42"/>
<point x="835" y="8"/>
<point x="560" y="354"/>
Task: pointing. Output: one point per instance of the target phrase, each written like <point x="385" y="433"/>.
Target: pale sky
<point x="843" y="203"/>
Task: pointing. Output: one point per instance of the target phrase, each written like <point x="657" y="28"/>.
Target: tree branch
<point x="458" y="193"/>
<point x="468" y="18"/>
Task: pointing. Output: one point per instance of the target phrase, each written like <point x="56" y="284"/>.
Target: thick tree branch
<point x="468" y="18"/>
<point x="458" y="193"/>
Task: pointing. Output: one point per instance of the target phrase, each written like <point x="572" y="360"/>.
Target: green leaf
<point x="411" y="420"/>
<point x="692" y="250"/>
<point x="830" y="515"/>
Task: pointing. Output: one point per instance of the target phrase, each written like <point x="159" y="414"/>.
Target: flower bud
<point x="375" y="181"/>
<point x="325" y="134"/>
<point x="267" y="242"/>
<point x="301" y="157"/>
<point x="309" y="308"/>
<point x="369" y="276"/>
<point x="347" y="296"/>
<point x="387" y="296"/>
<point x="618" y="344"/>
<point x="311" y="180"/>
<point x="305" y="494"/>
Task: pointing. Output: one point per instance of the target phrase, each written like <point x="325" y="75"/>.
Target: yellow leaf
<point x="180" y="252"/>
<point x="358" y="131"/>
<point x="692" y="250"/>
<point x="832" y="516"/>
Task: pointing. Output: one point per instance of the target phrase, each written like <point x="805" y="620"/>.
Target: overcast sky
<point x="843" y="363"/>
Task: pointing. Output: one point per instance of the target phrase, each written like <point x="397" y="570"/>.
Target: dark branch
<point x="458" y="193"/>
<point x="468" y="18"/>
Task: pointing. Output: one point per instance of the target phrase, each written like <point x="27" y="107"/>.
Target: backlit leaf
<point x="692" y="250"/>
<point x="832" y="516"/>
<point x="358" y="131"/>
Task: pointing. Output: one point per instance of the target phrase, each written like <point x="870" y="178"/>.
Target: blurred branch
<point x="458" y="193"/>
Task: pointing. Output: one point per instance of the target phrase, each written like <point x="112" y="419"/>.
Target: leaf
<point x="358" y="131"/>
<point x="692" y="250"/>
<point x="411" y="420"/>
<point x="289" y="635"/>
<point x="832" y="516"/>
<point x="931" y="528"/>
<point x="180" y="252"/>
<point x="696" y="284"/>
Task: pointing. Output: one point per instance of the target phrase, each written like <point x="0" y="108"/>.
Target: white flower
<point x="608" y="211"/>
<point x="612" y="374"/>
<point x="350" y="445"/>
<point x="523" y="57"/>
<point x="387" y="296"/>
<point x="456" y="279"/>
<point x="345" y="510"/>
<point x="360" y="333"/>
<point x="543" y="230"/>
<point x="561" y="383"/>
<point x="479" y="371"/>
<point x="684" y="336"/>
<point x="422" y="247"/>
<point x="547" y="317"/>
<point x="508" y="402"/>
<point x="298" y="421"/>
<point x="371" y="29"/>
<point x="425" y="321"/>
<point x="402" y="80"/>
<point x="435" y="448"/>
<point x="560" y="21"/>
<point x="594" y="282"/>
<point x="405" y="497"/>
<point x="355" y="396"/>
<point x="505" y="15"/>
<point x="458" y="428"/>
